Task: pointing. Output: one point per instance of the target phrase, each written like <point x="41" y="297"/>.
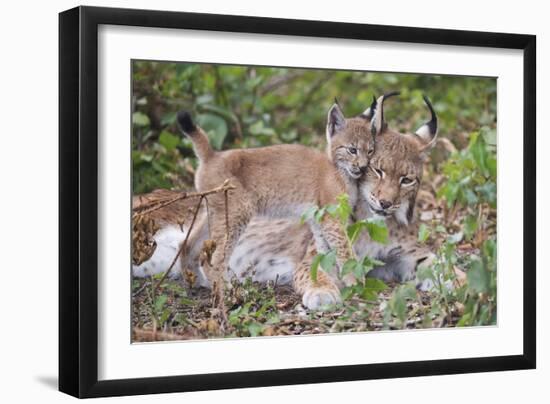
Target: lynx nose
<point x="363" y="169"/>
<point x="385" y="204"/>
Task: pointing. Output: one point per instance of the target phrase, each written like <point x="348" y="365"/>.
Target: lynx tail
<point x="201" y="144"/>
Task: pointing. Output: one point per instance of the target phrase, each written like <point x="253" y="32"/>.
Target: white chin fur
<point x="168" y="241"/>
<point x="401" y="213"/>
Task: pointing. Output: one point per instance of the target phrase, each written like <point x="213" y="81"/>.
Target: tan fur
<point x="397" y="155"/>
<point x="281" y="180"/>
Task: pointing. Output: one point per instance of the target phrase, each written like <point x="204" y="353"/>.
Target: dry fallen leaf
<point x="460" y="276"/>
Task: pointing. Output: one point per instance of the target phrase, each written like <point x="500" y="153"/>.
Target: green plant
<point x="249" y="106"/>
<point x="254" y="308"/>
<point x="366" y="288"/>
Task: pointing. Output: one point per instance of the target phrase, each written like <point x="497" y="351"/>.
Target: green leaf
<point x="478" y="277"/>
<point x="378" y="231"/>
<point x="372" y="288"/>
<point x="344" y="209"/>
<point x="479" y="153"/>
<point x="204" y="99"/>
<point x="168" y="140"/>
<point x="469" y="226"/>
<point x="255" y="329"/>
<point x="315" y="267"/>
<point x="258" y="128"/>
<point x="332" y="210"/>
<point x="492" y="166"/>
<point x="423" y="233"/>
<point x="164" y="316"/>
<point x="358" y="271"/>
<point x="168" y="119"/>
<point x="319" y="214"/>
<point x="349" y="266"/>
<point x="369" y="262"/>
<point x="223" y="112"/>
<point x="328" y="260"/>
<point x="140" y="119"/>
<point x="308" y="214"/>
<point x="159" y="302"/>
<point x="215" y="127"/>
<point x="440" y="229"/>
<point x="187" y="302"/>
<point x="425" y="272"/>
<point x="398" y="302"/>
<point x="354" y="230"/>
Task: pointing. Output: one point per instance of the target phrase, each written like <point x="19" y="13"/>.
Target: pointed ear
<point x="368" y="114"/>
<point x="335" y="121"/>
<point x="378" y="124"/>
<point x="427" y="133"/>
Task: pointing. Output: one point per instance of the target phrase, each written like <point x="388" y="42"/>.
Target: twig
<point x="182" y="247"/>
<point x="141" y="289"/>
<point x="278" y="81"/>
<point x="225" y="187"/>
<point x="226" y="221"/>
<point x="149" y="207"/>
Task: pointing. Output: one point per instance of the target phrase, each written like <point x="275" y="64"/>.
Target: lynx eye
<point x="406" y="181"/>
<point x="370" y="152"/>
<point x="352" y="150"/>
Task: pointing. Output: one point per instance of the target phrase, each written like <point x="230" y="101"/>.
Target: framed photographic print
<point x="251" y="201"/>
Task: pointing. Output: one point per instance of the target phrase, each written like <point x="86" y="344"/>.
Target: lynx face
<point x="393" y="178"/>
<point x="350" y="143"/>
<point x="392" y="181"/>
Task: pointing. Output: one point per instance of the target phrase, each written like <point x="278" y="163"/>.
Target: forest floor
<point x="190" y="316"/>
<point x="175" y="312"/>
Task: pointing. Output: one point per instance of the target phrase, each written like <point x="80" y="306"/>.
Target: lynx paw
<point x="315" y="298"/>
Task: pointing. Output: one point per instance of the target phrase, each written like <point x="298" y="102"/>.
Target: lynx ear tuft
<point x="186" y="122"/>
<point x="335" y="121"/>
<point x="369" y="112"/>
<point x="428" y="131"/>
<point x="378" y="124"/>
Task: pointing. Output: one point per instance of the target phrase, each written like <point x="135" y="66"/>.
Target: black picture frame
<point x="78" y="196"/>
